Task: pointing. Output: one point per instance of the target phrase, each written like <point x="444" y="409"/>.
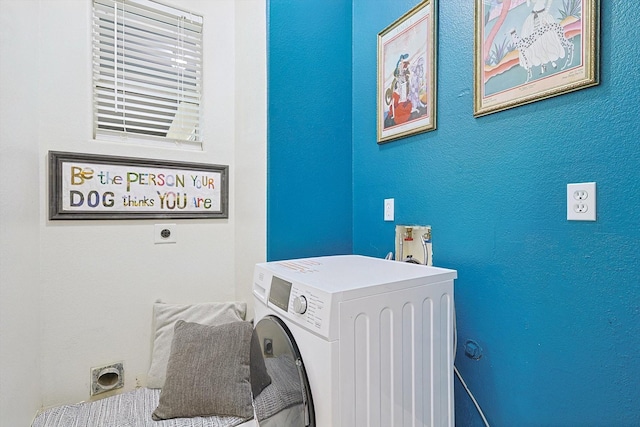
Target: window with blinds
<point x="147" y="71"/>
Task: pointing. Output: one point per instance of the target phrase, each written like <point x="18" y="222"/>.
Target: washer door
<point x="279" y="383"/>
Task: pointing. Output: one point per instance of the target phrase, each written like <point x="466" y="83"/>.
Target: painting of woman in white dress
<point x="530" y="48"/>
<point x="546" y="46"/>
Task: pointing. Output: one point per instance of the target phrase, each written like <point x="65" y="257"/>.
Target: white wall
<point x="19" y="217"/>
<point x="82" y="291"/>
<point x="251" y="142"/>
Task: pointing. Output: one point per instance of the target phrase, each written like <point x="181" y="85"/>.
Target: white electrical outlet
<point x="389" y="209"/>
<point x="581" y="201"/>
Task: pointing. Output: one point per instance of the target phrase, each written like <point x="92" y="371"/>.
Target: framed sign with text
<point x="87" y="186"/>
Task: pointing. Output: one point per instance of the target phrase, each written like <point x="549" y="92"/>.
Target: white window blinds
<point x="147" y="62"/>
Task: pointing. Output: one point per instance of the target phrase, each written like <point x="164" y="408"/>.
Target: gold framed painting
<point x="528" y="50"/>
<point x="406" y="87"/>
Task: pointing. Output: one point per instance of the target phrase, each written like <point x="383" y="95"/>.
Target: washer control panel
<point x="308" y="307"/>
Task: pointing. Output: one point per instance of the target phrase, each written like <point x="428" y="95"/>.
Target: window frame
<point x="147" y="81"/>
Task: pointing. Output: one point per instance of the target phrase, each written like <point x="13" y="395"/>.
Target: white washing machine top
<point x="308" y="291"/>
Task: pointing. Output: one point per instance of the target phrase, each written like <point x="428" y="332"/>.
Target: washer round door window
<point x="281" y="393"/>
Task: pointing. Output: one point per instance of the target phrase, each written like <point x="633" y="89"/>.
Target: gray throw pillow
<point x="165" y="317"/>
<point x="207" y="372"/>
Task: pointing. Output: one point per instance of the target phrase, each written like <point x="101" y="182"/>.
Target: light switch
<point x="389" y="209"/>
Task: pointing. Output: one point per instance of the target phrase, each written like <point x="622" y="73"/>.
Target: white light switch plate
<point x="581" y="201"/>
<point x="389" y="209"/>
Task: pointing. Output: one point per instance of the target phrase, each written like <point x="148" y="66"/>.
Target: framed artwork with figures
<point x="528" y="50"/>
<point x="406" y="88"/>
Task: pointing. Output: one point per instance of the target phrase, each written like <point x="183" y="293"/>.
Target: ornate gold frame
<point x="502" y="82"/>
<point x="406" y="80"/>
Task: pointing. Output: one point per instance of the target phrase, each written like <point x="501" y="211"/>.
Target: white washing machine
<point x="370" y="340"/>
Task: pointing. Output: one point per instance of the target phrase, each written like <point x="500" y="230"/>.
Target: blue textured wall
<point x="309" y="178"/>
<point x="554" y="304"/>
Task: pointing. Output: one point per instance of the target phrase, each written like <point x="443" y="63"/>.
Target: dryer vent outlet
<point x="107" y="378"/>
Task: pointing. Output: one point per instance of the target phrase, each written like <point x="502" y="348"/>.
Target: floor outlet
<point x="581" y="201"/>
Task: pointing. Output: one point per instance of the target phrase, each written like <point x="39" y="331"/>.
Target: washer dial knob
<point x="300" y="304"/>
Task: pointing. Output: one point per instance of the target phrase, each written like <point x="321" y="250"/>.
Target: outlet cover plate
<point x="164" y="233"/>
<point x="581" y="201"/>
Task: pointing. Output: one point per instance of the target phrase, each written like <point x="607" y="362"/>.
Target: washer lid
<point x="355" y="276"/>
<point x="279" y="383"/>
<point x="309" y="291"/>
